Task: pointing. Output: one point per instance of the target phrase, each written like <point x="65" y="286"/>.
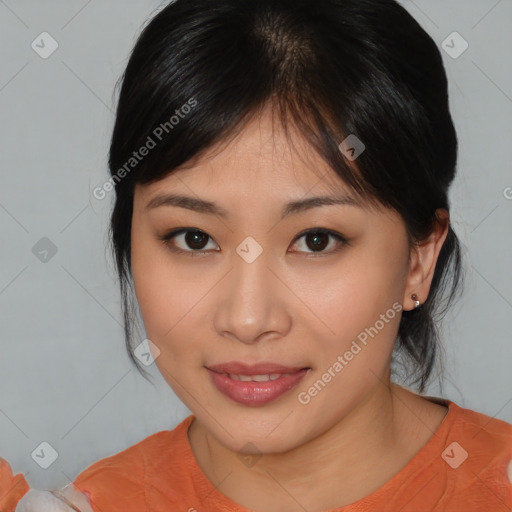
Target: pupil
<point x="317" y="244"/>
<point x="193" y="239"/>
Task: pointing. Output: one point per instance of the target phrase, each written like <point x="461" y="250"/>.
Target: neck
<point x="368" y="441"/>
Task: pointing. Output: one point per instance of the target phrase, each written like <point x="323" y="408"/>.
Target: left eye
<point x="315" y="239"/>
<point x="318" y="239"/>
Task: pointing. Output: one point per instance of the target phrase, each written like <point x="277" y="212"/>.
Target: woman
<point x="282" y="171"/>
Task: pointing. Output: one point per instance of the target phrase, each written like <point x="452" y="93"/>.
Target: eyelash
<point x="166" y="239"/>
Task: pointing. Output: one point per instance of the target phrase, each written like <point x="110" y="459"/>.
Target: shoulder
<point x="118" y="482"/>
<point x="478" y="458"/>
<point x="12" y="487"/>
<point x="126" y="464"/>
<point x="481" y="431"/>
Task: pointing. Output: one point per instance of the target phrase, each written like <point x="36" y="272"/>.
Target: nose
<point x="253" y="303"/>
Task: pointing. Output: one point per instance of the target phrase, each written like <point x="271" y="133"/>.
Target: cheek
<point x="155" y="286"/>
<point x="356" y="293"/>
<point x="360" y="306"/>
<point x="360" y="312"/>
<point x="148" y="285"/>
<point x="169" y="297"/>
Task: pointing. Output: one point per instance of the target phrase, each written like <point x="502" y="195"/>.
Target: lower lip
<point x="255" y="393"/>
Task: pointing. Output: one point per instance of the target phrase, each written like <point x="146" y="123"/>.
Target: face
<point x="247" y="284"/>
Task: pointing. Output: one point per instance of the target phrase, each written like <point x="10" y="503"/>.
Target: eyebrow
<point x="208" y="207"/>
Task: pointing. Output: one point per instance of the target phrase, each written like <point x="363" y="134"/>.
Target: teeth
<point x="257" y="378"/>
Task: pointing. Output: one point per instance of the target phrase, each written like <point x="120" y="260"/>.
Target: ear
<point x="423" y="261"/>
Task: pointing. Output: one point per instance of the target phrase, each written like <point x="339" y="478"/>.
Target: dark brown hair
<point x="333" y="68"/>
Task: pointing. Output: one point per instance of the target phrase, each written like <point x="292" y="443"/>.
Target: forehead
<point x="261" y="158"/>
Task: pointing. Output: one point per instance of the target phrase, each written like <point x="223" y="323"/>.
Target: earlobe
<point x="423" y="261"/>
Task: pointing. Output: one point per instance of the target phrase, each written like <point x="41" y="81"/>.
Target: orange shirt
<point x="465" y="467"/>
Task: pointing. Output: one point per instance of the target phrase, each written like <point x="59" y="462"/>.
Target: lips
<point x="257" y="384"/>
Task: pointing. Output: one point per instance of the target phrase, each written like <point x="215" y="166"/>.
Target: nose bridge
<point x="250" y="305"/>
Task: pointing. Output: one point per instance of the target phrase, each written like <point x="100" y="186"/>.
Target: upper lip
<point x="239" y="368"/>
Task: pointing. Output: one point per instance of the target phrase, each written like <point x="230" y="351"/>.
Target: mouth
<point x="258" y="378"/>
<point x="255" y="385"/>
<point x="238" y="368"/>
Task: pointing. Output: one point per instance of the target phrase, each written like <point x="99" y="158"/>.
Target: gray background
<point x="64" y="375"/>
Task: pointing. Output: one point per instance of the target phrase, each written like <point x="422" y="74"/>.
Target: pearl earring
<point x="417" y="303"/>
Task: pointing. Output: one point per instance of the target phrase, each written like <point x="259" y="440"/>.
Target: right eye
<point x="193" y="238"/>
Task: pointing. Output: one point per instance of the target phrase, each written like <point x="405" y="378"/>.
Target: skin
<point x="292" y="306"/>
